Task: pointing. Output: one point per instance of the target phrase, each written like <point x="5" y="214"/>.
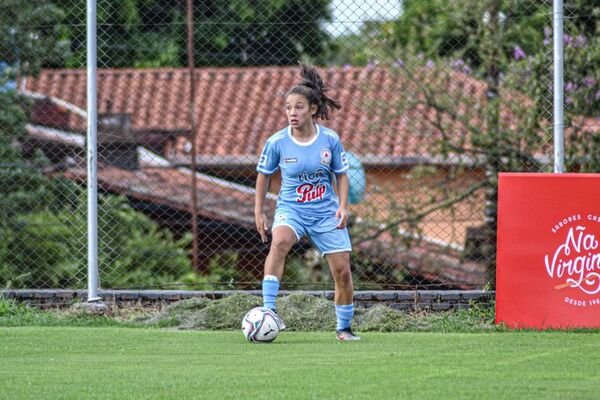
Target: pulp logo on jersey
<point x="312" y="189"/>
<point x="308" y="192"/>
<point x="290" y="160"/>
<point x="325" y="156"/>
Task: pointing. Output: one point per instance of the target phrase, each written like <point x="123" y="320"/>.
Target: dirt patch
<point x="382" y="318"/>
<point x="202" y="313"/>
<point x="302" y="312"/>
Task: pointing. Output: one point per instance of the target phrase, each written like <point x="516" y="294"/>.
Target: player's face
<point x="299" y="112"/>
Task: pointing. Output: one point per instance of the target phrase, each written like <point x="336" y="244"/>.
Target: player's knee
<point x="343" y="275"/>
<point x="281" y="246"/>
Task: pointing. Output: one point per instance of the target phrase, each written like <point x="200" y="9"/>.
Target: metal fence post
<point x="558" y="80"/>
<point x="92" y="181"/>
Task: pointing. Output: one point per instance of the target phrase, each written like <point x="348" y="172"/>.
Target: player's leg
<point x="339" y="264"/>
<point x="286" y="232"/>
<point x="335" y="245"/>
<point x="282" y="241"/>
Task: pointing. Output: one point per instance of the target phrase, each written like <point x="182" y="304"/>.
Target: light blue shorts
<point x="321" y="231"/>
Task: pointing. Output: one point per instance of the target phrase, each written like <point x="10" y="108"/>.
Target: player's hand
<point x="341" y="217"/>
<point x="261" y="226"/>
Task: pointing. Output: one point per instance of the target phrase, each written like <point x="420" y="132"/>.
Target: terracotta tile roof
<point x="171" y="187"/>
<point x="238" y="108"/>
<point x="158" y="182"/>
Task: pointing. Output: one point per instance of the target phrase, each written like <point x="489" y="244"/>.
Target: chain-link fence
<point x="437" y="97"/>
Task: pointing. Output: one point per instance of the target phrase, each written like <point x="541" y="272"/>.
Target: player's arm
<point x="262" y="185"/>
<point x="343" y="186"/>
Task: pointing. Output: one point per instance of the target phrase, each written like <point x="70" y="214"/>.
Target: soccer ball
<point x="260" y="325"/>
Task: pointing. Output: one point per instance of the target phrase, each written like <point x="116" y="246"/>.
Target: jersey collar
<point x="311" y="141"/>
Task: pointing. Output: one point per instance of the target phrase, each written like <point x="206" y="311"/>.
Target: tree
<point x="31" y="34"/>
<point x="42" y="218"/>
<point x="152" y="33"/>
<point x="452" y="29"/>
<point x="489" y="122"/>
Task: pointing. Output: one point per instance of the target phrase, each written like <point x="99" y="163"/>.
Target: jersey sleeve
<point x="269" y="159"/>
<point x="339" y="163"/>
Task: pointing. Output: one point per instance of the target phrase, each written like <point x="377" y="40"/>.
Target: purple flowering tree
<point x="476" y="120"/>
<point x="533" y="75"/>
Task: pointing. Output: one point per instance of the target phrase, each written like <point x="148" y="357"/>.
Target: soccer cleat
<point x="280" y="323"/>
<point x="346" y="334"/>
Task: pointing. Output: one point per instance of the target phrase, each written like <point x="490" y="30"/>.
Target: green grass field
<point x="125" y="363"/>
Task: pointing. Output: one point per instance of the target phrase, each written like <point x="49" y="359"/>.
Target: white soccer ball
<point x="260" y="325"/>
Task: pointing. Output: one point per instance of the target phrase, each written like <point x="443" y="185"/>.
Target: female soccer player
<point x="308" y="155"/>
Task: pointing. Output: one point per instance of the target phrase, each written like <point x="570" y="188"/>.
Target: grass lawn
<point x="125" y="363"/>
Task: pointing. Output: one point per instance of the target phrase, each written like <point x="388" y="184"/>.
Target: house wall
<point x="390" y="190"/>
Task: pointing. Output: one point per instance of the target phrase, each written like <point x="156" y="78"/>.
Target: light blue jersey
<point x="306" y="170"/>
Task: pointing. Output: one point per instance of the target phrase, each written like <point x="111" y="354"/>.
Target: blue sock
<point x="270" y="287"/>
<point x="344" y="315"/>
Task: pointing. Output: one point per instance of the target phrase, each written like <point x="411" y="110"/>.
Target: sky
<point x="349" y="14"/>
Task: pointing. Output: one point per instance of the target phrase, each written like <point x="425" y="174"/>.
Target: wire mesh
<point x="437" y="98"/>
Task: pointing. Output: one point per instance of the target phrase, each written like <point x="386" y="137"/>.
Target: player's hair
<point x="313" y="88"/>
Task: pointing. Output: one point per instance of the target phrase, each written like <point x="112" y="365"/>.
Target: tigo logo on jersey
<point x="326" y="156"/>
<point x="313" y="190"/>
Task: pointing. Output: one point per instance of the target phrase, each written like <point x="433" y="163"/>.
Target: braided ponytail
<point x="313" y="88"/>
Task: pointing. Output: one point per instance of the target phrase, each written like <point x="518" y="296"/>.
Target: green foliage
<point x="430" y="27"/>
<point x="450" y="30"/>
<point x="43" y="225"/>
<point x="369" y="44"/>
<point x="133" y="251"/>
<point x="153" y="33"/>
<point x="38" y="252"/>
<point x="532" y="75"/>
<point x="12" y="121"/>
<point x="12" y="309"/>
<point x="467" y="29"/>
<point x="44" y="238"/>
<point x="30" y="34"/>
<point x="494" y="56"/>
<point x="223" y="272"/>
<point x="273" y="32"/>
<point x="13" y="314"/>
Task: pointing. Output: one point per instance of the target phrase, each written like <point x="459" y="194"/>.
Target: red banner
<point x="548" y="254"/>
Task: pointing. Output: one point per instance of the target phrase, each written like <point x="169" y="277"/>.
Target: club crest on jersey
<point x="280" y="217"/>
<point x="325" y="156"/>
